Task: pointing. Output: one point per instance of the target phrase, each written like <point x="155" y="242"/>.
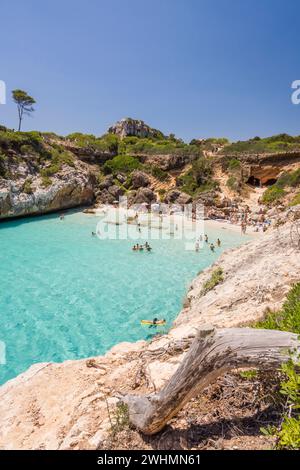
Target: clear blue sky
<point x="197" y="68"/>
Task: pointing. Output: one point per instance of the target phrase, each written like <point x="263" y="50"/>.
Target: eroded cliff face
<point x="133" y="127"/>
<point x="28" y="195"/>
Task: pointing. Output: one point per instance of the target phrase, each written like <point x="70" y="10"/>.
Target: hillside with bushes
<point x="142" y="163"/>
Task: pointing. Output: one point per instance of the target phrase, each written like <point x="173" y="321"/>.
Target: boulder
<point x="107" y="182"/>
<point x="178" y="197"/>
<point x="115" y="191"/>
<point x="121" y="178"/>
<point x="139" y="179"/>
<point x="142" y="195"/>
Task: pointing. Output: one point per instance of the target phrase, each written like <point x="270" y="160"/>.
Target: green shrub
<point x="276" y="143"/>
<point x="234" y="164"/>
<point x="58" y="159"/>
<point x="3" y="170"/>
<point x="64" y="158"/>
<point x="273" y="195"/>
<point x="156" y="172"/>
<point x="15" y="140"/>
<point x="215" y="279"/>
<point x="289" y="179"/>
<point x="46" y="181"/>
<point x="286" y="319"/>
<point x="27" y="186"/>
<point x="288" y="437"/>
<point x="106" y="143"/>
<point x="233" y="184"/>
<point x="288" y="433"/>
<point x="120" y="418"/>
<point x="121" y="164"/>
<point x="295" y="201"/>
<point x="198" y="179"/>
<point x="50" y="170"/>
<point x="249" y="374"/>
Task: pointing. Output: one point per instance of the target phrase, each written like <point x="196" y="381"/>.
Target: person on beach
<point x="219" y="242"/>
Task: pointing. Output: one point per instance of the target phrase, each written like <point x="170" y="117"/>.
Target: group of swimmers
<point x="139" y="247"/>
<point x="211" y="245"/>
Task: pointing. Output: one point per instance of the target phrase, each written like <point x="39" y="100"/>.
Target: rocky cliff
<point x="133" y="127"/>
<point x="42" y="172"/>
<point x="27" y="195"/>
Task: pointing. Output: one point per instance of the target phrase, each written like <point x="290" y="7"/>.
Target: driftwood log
<point x="212" y="353"/>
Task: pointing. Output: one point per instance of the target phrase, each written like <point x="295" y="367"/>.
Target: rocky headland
<point x="43" y="172"/>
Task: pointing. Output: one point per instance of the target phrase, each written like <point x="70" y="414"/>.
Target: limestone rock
<point x="178" y="197"/>
<point x="71" y="187"/>
<point x="139" y="179"/>
<point x="106" y="182"/>
<point x="133" y="127"/>
<point x="144" y="195"/>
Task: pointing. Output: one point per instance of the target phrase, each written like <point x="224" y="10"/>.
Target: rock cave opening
<point x="270" y="182"/>
<point x="253" y="181"/>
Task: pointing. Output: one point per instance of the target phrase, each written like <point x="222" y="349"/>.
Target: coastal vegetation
<point x="277" y="191"/>
<point x="216" y="278"/>
<point x="276" y="143"/>
<point x="233" y="184"/>
<point x="295" y="201"/>
<point x="287" y="319"/>
<point x="198" y="178"/>
<point x="121" y="164"/>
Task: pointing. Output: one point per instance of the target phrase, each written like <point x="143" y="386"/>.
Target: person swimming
<point x="134" y="248"/>
<point x="94" y="234"/>
<point x="155" y="322"/>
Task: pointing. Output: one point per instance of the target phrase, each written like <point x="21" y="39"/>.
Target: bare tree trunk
<point x="212" y="353"/>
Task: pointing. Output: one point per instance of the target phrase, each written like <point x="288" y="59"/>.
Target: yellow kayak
<point x="151" y="322"/>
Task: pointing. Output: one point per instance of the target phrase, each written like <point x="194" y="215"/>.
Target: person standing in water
<point x="206" y="238"/>
<point x="212" y="247"/>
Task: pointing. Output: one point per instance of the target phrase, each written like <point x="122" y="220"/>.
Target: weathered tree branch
<point x="212" y="353"/>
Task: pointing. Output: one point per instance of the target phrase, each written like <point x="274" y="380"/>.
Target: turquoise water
<point x="67" y="295"/>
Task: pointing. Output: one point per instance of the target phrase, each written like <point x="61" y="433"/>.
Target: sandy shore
<point x="223" y="225"/>
<point x="167" y="220"/>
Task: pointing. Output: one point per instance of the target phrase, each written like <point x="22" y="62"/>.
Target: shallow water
<point x="67" y="295"/>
